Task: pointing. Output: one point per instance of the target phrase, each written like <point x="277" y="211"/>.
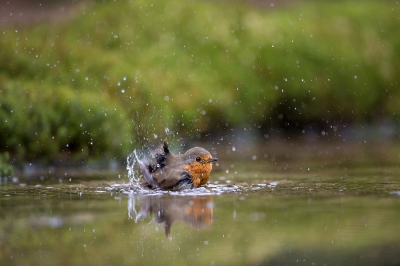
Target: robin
<point x="177" y="172"/>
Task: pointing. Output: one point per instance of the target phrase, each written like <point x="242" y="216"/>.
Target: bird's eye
<point x="198" y="159"/>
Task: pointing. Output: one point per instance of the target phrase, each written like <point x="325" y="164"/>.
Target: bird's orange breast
<point x="200" y="172"/>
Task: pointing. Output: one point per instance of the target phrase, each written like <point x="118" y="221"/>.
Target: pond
<point x="303" y="211"/>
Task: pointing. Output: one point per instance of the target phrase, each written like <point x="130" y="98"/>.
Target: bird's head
<point x="198" y="162"/>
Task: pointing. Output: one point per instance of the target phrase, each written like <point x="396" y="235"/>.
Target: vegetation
<point x="5" y="167"/>
<point x="85" y="87"/>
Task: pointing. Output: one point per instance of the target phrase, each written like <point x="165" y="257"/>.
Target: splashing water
<point x="144" y="131"/>
<point x="130" y="166"/>
<point x="138" y="156"/>
<point x="133" y="172"/>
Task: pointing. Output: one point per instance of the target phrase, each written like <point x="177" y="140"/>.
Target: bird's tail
<point x="161" y="154"/>
<point x="165" y="146"/>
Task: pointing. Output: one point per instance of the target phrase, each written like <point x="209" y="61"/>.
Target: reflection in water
<point x="195" y="211"/>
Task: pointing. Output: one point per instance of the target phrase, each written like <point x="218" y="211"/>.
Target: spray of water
<point x="131" y="161"/>
<point x="146" y="134"/>
<point x="132" y="165"/>
<point x="144" y="131"/>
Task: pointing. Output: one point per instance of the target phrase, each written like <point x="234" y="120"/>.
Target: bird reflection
<point x="196" y="211"/>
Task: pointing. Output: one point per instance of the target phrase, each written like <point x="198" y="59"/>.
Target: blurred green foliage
<point x="73" y="88"/>
<point x="58" y="124"/>
<point x="6" y="168"/>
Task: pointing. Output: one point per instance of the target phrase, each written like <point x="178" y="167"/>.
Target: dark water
<point x="339" y="214"/>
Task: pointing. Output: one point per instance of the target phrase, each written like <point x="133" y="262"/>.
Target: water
<point x="296" y="211"/>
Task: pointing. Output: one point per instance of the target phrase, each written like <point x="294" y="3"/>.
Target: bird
<point x="176" y="172"/>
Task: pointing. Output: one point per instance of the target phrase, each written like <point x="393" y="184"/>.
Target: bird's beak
<point x="212" y="159"/>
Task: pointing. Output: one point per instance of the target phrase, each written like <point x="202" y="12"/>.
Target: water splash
<point x="132" y="165"/>
<point x="144" y="134"/>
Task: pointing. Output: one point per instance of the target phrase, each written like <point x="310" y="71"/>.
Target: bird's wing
<point x="145" y="168"/>
<point x="168" y="178"/>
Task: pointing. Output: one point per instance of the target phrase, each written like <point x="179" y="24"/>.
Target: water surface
<point x="332" y="215"/>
